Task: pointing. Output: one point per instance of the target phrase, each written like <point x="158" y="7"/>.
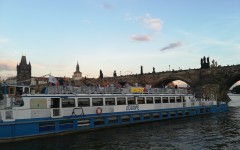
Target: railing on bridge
<point x="111" y="90"/>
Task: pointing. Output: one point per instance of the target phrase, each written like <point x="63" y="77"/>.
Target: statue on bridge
<point x="101" y="75"/>
<point x="114" y="73"/>
<point x="205" y="63"/>
<point x="214" y="63"/>
<point x="153" y="70"/>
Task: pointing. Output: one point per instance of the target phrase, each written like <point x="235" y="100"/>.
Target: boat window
<point x="149" y="100"/>
<point x="83" y="102"/>
<point x="165" y="99"/>
<point x="131" y="100"/>
<point x="97" y="101"/>
<point x="184" y="100"/>
<point x="179" y="100"/>
<point x="141" y="100"/>
<point x="11" y="91"/>
<point x="157" y="100"/>
<point x="172" y="99"/>
<point x="110" y="101"/>
<point x="26" y="90"/>
<point x="19" y="91"/>
<point x="55" y="102"/>
<point x="121" y="101"/>
<point x="69" y="102"/>
<point x="38" y="103"/>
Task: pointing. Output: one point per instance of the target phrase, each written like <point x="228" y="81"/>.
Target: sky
<point x="117" y="35"/>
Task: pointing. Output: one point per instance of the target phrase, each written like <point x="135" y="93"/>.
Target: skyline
<point x="112" y="35"/>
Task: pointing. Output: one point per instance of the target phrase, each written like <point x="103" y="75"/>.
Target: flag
<point x="52" y="79"/>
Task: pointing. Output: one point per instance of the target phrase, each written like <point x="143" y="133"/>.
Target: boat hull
<point x="32" y="128"/>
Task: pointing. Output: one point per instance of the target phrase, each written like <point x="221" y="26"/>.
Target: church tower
<point x="77" y="75"/>
<point x="24" y="71"/>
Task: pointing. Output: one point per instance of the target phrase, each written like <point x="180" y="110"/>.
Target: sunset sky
<point x="117" y="35"/>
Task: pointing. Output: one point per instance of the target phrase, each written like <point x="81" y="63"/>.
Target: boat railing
<point x="111" y="90"/>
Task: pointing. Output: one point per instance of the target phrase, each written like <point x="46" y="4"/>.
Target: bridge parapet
<point x="211" y="81"/>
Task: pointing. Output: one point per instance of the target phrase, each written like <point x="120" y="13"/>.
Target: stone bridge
<point x="214" y="81"/>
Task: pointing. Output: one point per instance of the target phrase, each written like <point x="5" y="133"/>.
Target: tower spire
<point x="77" y="67"/>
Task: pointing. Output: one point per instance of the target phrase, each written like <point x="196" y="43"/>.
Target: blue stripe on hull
<point x="35" y="127"/>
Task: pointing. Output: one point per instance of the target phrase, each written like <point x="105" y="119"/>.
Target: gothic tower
<point x="24" y="71"/>
<point x="77" y="75"/>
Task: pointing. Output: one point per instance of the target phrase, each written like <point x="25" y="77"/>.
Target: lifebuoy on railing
<point x="99" y="110"/>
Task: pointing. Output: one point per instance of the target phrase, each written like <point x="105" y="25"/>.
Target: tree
<point x="236" y="89"/>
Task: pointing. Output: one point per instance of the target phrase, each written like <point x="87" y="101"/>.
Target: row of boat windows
<point x="85" y="102"/>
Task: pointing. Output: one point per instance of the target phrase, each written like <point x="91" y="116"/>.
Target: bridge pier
<point x="211" y="91"/>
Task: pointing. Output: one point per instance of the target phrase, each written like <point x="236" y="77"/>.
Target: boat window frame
<point x="147" y="100"/>
<point x="70" y="104"/>
<point x="165" y="100"/>
<point x="84" y="98"/>
<point x="178" y="99"/>
<point x="40" y="100"/>
<point x="183" y="99"/>
<point x="121" y="99"/>
<point x="156" y="99"/>
<point x="141" y="99"/>
<point x="131" y="100"/>
<point x="97" y="99"/>
<point x="172" y="99"/>
<point x="110" y="101"/>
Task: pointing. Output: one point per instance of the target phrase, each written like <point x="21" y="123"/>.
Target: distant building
<point x="11" y="80"/>
<point x="39" y="80"/>
<point x="77" y="75"/>
<point x="24" y="71"/>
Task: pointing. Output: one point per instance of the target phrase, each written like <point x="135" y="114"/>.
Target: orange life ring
<point x="99" y="110"/>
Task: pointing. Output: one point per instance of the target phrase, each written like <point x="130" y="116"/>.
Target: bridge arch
<point x="165" y="81"/>
<point x="228" y="84"/>
<point x="124" y="82"/>
<point x="232" y="80"/>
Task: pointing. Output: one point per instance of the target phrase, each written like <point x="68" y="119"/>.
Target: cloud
<point x="106" y="6"/>
<point x="171" y="46"/>
<point x="141" y="38"/>
<point x="153" y="23"/>
<point x="4" y="66"/>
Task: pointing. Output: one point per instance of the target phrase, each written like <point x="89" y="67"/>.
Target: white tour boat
<point x="62" y="109"/>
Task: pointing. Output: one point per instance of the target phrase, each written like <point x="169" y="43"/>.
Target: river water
<point x="211" y="132"/>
